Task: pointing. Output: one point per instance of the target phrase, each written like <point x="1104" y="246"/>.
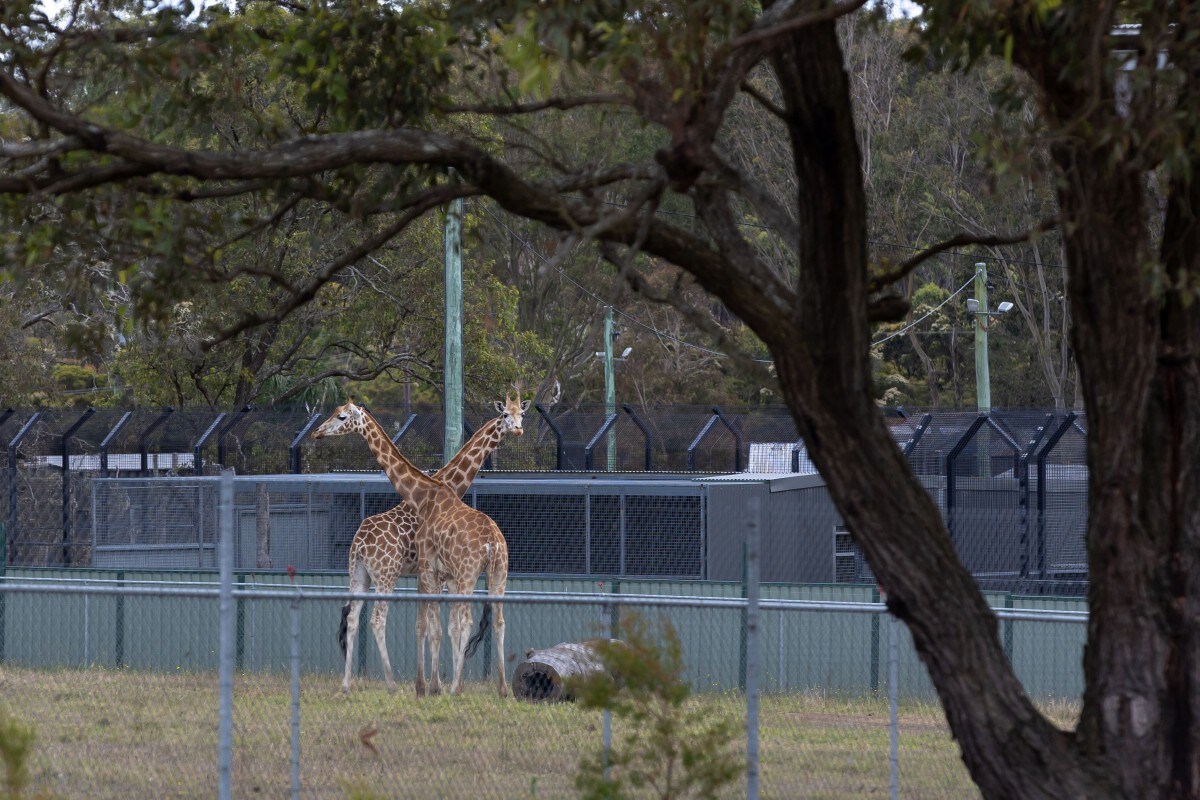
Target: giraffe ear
<point x="499" y="407"/>
<point x="525" y="405"/>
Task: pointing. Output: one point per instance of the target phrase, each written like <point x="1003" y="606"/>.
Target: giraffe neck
<point x="409" y="481"/>
<point x="460" y="471"/>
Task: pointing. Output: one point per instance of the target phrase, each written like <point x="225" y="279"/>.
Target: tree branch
<point x="763" y="100"/>
<point x="314" y="154"/>
<point x="557" y="103"/>
<point x="879" y="282"/>
<point x="39" y="148"/>
<point x="720" y="336"/>
<point x="826" y="14"/>
<point x="429" y="199"/>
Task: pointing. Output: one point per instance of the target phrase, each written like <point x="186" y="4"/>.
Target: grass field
<point x="123" y="734"/>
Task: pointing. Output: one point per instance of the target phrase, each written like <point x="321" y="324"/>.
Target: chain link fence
<point x="172" y="685"/>
<point x="138" y="491"/>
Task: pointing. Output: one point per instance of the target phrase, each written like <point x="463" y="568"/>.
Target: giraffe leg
<point x="379" y="626"/>
<point x="433" y="630"/>
<point x="421" y="649"/>
<point x="358" y="583"/>
<point x="497" y="580"/>
<point x="498" y="635"/>
<point x="428" y="629"/>
<point x="460" y="630"/>
<point x="351" y="635"/>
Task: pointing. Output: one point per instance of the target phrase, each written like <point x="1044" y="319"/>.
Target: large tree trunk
<point x="1009" y="747"/>
<point x="1137" y="360"/>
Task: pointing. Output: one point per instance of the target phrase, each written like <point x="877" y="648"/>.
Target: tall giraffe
<point x="383" y="549"/>
<point x="453" y="544"/>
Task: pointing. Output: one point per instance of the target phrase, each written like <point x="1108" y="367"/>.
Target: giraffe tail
<point x="485" y="621"/>
<point x="344" y="628"/>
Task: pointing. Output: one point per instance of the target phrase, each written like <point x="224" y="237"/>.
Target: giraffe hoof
<point x="391" y="688"/>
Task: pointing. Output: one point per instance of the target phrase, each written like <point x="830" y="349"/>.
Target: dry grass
<point x="122" y="734"/>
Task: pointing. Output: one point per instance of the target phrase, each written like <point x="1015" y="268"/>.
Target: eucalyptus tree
<point x="383" y="107"/>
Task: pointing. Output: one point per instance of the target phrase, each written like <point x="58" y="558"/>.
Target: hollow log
<point x="542" y="676"/>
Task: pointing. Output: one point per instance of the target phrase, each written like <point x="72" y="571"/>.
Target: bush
<point x="672" y="749"/>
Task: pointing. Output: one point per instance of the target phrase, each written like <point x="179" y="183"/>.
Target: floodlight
<point x="628" y="350"/>
<point x="1004" y="307"/>
<point x="972" y="305"/>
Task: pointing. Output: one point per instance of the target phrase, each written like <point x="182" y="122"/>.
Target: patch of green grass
<point x="120" y="734"/>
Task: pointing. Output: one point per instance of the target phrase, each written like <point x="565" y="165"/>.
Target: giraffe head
<point x="512" y="411"/>
<point x="348" y="418"/>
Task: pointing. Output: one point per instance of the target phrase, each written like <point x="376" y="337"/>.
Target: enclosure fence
<point x="165" y="688"/>
<point x="106" y="488"/>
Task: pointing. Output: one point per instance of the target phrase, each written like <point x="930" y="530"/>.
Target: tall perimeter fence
<point x="134" y="489"/>
<point x="226" y="682"/>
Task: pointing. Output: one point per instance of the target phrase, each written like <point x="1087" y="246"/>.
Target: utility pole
<point x="610" y="390"/>
<point x="983" y="380"/>
<point x="452" y="393"/>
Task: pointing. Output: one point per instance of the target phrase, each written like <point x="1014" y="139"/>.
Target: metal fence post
<point x="404" y="429"/>
<point x="296" y="696"/>
<point x="295" y="460"/>
<point x="225" y="642"/>
<point x="119" y="624"/>
<point x="647" y="437"/>
<point x="691" y="451"/>
<point x="875" y="643"/>
<point x="1051" y="443"/>
<point x="112" y="434"/>
<point x="609" y="421"/>
<point x="753" y="645"/>
<point x="558" y="436"/>
<point x="144" y="438"/>
<point x="68" y="516"/>
<point x="893" y="709"/>
<point x="606" y="619"/>
<point x="12" y="473"/>
<point x="1023" y="492"/>
<point x="952" y="477"/>
<point x="737" y="438"/>
<point x="198" y="450"/>
<point x="242" y="416"/>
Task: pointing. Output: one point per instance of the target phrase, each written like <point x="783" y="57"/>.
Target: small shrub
<point x="16" y="744"/>
<point x="671" y="749"/>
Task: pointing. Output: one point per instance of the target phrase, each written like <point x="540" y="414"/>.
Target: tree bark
<point x="1137" y="361"/>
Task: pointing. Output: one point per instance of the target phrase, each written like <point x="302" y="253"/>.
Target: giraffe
<point x="453" y="544"/>
<point x="383" y="548"/>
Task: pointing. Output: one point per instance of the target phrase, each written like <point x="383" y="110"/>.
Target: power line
<point x="927" y="314"/>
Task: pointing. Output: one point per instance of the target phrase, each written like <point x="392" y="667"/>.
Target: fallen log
<point x="542" y="676"/>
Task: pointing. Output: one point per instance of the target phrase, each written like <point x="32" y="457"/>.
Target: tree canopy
<point x="720" y="159"/>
